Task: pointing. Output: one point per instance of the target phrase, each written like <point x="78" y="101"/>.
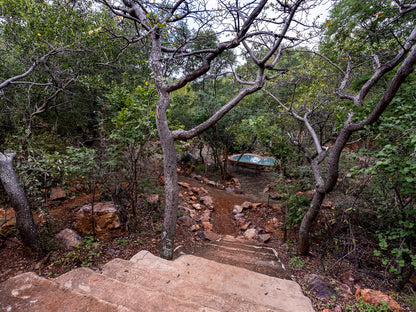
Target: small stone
<point x="247" y="205"/>
<point x="184" y="184"/>
<point x="197" y="206"/>
<point x="275" y="195"/>
<point x="153" y="199"/>
<point x="338" y="309"/>
<point x="321" y="288"/>
<point x="194" y="198"/>
<point x="207" y="226"/>
<point x="346" y="290"/>
<point x="263" y="237"/>
<point x="256" y="205"/>
<point x="208" y="201"/>
<point x="206" y="215"/>
<point x="221" y="187"/>
<point x="239" y="216"/>
<point x="237" y="209"/>
<point x="245" y="226"/>
<point x="212" y="183"/>
<point x="250" y="233"/>
<point x="230" y="189"/>
<point x="209" y="235"/>
<point x="194" y="227"/>
<point x="201" y="191"/>
<point x="69" y="238"/>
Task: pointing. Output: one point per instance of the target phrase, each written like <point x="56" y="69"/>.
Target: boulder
<point x="106" y="219"/>
<point x="375" y="298"/>
<point x="69" y="238"/>
<point x="57" y="193"/>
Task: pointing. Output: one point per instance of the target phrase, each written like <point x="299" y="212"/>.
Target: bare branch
<point x="16" y="78"/>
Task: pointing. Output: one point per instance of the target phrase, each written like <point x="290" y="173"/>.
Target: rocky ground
<point x="240" y="207"/>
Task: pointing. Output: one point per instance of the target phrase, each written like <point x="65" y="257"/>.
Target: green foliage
<point x="393" y="179"/>
<point x="297" y="205"/>
<point x="296" y="263"/>
<point x="362" y="306"/>
<point x="83" y="255"/>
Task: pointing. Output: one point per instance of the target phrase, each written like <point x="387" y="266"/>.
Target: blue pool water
<point x="255" y="159"/>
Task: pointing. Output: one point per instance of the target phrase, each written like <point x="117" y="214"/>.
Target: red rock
<point x="57" y="193"/>
<point x="207" y="226"/>
<point x="375" y="297"/>
<point x="194" y="198"/>
<point x="184" y="184"/>
<point x="256" y="205"/>
<point x="206" y="216"/>
<point x="208" y="201"/>
<point x="194" y="227"/>
<point x="197" y="206"/>
<point x="106" y="219"/>
<point x="212" y="183"/>
<point x="201" y="191"/>
<point x="209" y="235"/>
<point x="245" y="226"/>
<point x="152" y="199"/>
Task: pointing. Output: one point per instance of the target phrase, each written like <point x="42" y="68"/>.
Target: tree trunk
<point x="24" y="218"/>
<point x="303" y="244"/>
<point x="171" y="178"/>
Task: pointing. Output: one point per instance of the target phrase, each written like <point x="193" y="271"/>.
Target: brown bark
<point x="24" y="218"/>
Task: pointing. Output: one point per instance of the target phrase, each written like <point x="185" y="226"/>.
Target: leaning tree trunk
<point x="24" y="218"/>
<point x="305" y="227"/>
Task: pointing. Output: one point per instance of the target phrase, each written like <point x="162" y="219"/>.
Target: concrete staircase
<point x="149" y="283"/>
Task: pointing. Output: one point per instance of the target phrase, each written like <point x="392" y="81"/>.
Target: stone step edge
<point x="81" y="279"/>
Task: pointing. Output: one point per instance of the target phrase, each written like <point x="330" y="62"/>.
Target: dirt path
<point x="252" y="184"/>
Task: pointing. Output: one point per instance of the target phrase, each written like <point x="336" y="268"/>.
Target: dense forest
<point x="109" y="97"/>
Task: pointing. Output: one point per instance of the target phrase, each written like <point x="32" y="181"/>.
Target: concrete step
<point x="134" y="297"/>
<point x="231" y="288"/>
<point x="29" y="292"/>
<point x="163" y="277"/>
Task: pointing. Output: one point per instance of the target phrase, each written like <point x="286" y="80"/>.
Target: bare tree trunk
<point x="315" y="206"/>
<point x="24" y="218"/>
